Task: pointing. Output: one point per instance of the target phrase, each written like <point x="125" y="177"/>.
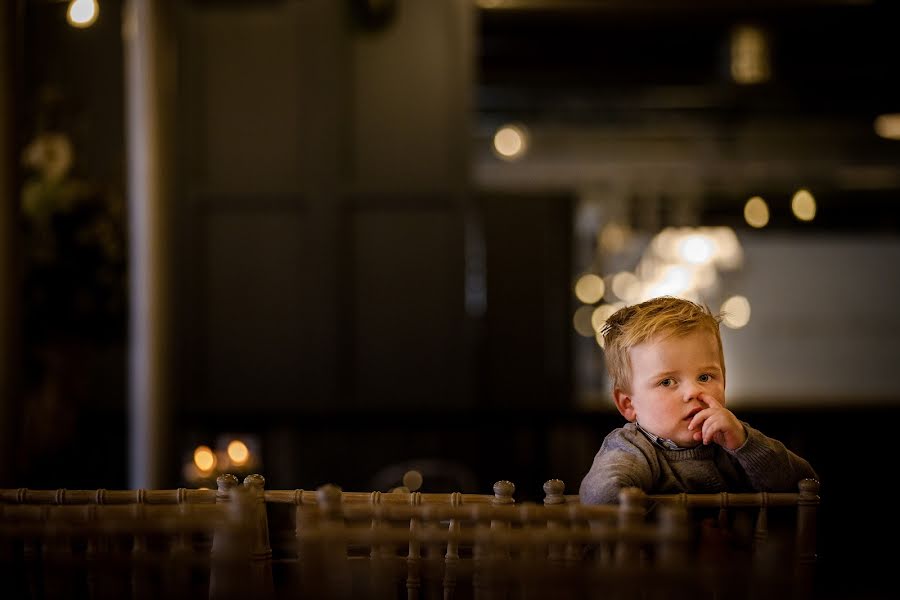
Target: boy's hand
<point x="717" y="424"/>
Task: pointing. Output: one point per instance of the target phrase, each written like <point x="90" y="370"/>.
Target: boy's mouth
<point x="693" y="412"/>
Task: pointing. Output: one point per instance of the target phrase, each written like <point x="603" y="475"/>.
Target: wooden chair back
<point x="760" y="541"/>
<point x="132" y="543"/>
<point x="243" y="539"/>
<point x="108" y="551"/>
<point x="416" y="550"/>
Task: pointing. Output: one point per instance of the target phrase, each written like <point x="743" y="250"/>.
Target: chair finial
<point x="553" y="491"/>
<point x="503" y="492"/>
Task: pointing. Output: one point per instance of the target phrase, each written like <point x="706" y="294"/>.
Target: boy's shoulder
<point x="627" y="452"/>
<point x="627" y="438"/>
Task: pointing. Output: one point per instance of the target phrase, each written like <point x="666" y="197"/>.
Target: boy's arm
<point x="613" y="470"/>
<point x="770" y="466"/>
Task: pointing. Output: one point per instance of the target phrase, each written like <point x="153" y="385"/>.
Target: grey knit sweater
<point x="628" y="458"/>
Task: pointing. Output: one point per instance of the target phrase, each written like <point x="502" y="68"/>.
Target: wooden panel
<point x="412" y="82"/>
<point x="258" y="307"/>
<point x="407" y="308"/>
<point x="244" y="101"/>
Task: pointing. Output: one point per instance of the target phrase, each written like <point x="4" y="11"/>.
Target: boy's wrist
<point x="744" y="438"/>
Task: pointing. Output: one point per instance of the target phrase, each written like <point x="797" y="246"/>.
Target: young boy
<point x="668" y="372"/>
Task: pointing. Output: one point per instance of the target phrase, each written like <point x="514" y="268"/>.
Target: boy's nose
<point x="692" y="392"/>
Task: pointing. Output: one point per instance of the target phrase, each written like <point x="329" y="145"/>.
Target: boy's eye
<point x="705" y="377"/>
<point x="667" y="382"/>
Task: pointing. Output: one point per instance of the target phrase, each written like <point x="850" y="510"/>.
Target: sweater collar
<point x="662" y="442"/>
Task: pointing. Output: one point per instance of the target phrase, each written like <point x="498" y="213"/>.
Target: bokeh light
<point x="582" y="321"/>
<point x="602" y="313"/>
<point x="697" y="249"/>
<point x="412" y="480"/>
<point x="82" y="13"/>
<point x="589" y="288"/>
<point x="626" y="286"/>
<point x="510" y="142"/>
<point x="204" y="458"/>
<point x="756" y="212"/>
<point x="613" y="237"/>
<point x="238" y="452"/>
<point x="749" y="55"/>
<point x="888" y="126"/>
<point x="735" y="312"/>
<point x="804" y="205"/>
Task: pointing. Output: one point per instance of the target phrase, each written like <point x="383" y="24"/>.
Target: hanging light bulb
<point x="82" y="13"/>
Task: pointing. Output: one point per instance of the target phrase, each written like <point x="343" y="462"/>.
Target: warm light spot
<point x="510" y="142"/>
<point x="82" y="13"/>
<point x="756" y="212"/>
<point x="582" y="321"/>
<point x="804" y="205"/>
<point x="675" y="281"/>
<point x="204" y="458"/>
<point x="649" y="268"/>
<point x="729" y="254"/>
<point x="602" y="313"/>
<point x="412" y="480"/>
<point x="613" y="237"/>
<point x="749" y="55"/>
<point x="626" y="286"/>
<point x="697" y="249"/>
<point x="238" y="452"/>
<point x="665" y="244"/>
<point x="705" y="277"/>
<point x="888" y="126"/>
<point x="609" y="295"/>
<point x="589" y="288"/>
<point x="735" y="312"/>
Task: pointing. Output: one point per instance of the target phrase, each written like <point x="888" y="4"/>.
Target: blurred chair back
<point x="334" y="544"/>
<point x="130" y="543"/>
<point x="761" y="542"/>
<point x="482" y="549"/>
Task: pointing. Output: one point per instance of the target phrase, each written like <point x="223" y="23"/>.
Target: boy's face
<point x="670" y="377"/>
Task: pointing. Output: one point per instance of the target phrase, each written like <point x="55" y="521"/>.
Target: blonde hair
<point x="664" y="316"/>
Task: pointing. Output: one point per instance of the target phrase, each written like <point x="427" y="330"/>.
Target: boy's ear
<point x="623" y="403"/>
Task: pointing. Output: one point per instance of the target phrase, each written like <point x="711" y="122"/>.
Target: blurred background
<point x="369" y="242"/>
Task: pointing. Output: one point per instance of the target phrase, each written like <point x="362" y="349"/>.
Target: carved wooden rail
<point x="115" y="551"/>
<point x="104" y="497"/>
<point x="377" y="544"/>
<point x="789" y="557"/>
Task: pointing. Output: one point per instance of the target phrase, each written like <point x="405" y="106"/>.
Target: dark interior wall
<point x="323" y="189"/>
<point x="312" y="275"/>
<point x="526" y="360"/>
